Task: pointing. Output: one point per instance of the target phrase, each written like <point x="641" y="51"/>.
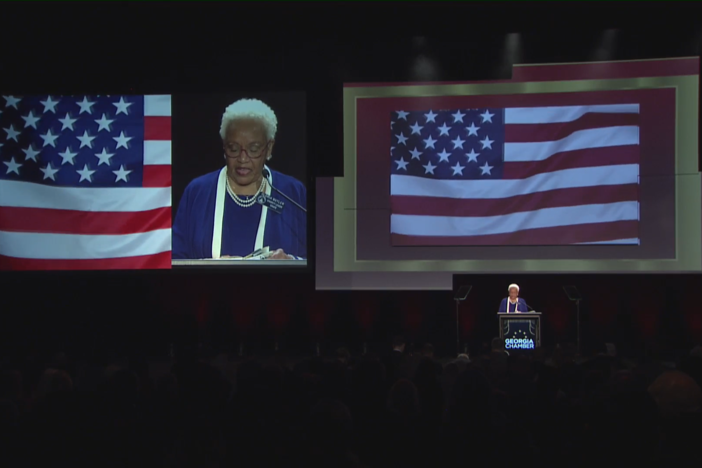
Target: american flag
<point x="515" y="176"/>
<point x="85" y="182"/>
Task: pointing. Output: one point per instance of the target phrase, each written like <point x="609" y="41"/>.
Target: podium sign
<point x="520" y="330"/>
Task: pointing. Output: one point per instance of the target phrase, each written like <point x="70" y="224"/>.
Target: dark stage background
<point x="137" y="313"/>
<point x="266" y="47"/>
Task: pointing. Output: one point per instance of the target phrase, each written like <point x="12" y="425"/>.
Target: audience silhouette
<point x="404" y="409"/>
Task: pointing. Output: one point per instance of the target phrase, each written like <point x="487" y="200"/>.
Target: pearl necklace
<point x="509" y="301"/>
<point x="245" y="203"/>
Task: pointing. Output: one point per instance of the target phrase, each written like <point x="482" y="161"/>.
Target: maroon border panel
<point x="657" y="230"/>
<point x="578" y="71"/>
<point x="608" y="70"/>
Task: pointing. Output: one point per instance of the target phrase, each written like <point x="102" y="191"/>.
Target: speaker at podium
<point x="521" y="331"/>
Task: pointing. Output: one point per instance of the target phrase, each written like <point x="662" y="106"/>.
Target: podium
<point x="521" y="331"/>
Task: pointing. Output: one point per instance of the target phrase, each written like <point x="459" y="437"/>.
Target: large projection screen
<point x="641" y="118"/>
<point x="145" y="182"/>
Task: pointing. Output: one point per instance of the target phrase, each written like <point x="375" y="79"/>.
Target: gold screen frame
<point x="688" y="186"/>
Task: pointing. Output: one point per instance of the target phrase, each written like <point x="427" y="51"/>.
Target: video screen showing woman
<point x="246" y="205"/>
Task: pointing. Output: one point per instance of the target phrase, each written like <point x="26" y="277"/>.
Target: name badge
<point x="270" y="202"/>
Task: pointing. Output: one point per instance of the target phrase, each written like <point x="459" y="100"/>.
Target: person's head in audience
<point x="167" y="386"/>
<point x="60" y="361"/>
<point x="53" y="381"/>
<point x="428" y="351"/>
<point x="460" y="363"/>
<point x="611" y="350"/>
<point x="676" y="394"/>
<point x="398" y="344"/>
<point x="122" y="386"/>
<point x="427" y="372"/>
<point x="9" y="414"/>
<point x="692" y="366"/>
<point x="343" y="355"/>
<point x="403" y="399"/>
<point x="272" y="377"/>
<point x="595" y="348"/>
<point x="370" y="373"/>
<point x="564" y="354"/>
<point x="679" y="401"/>
<point x="547" y="384"/>
<point x="520" y="366"/>
<point x="331" y="427"/>
<point x="626" y="381"/>
<point x="202" y="444"/>
<point x="11" y="385"/>
<point x="451" y="370"/>
<point x="469" y="408"/>
<point x="497" y="345"/>
<point x="622" y="426"/>
<point x="538" y="355"/>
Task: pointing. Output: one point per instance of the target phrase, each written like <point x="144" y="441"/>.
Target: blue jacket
<point x="194" y="222"/>
<point x="521" y="306"/>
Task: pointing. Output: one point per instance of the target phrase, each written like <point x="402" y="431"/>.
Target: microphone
<point x="267" y="174"/>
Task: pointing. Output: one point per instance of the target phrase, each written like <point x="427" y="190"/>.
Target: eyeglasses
<point x="254" y="151"/>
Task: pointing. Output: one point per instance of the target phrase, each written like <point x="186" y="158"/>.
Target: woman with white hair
<point x="513" y="303"/>
<point x="233" y="212"/>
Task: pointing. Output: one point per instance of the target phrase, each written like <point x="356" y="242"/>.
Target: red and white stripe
<point x="570" y="177"/>
<point x="67" y="228"/>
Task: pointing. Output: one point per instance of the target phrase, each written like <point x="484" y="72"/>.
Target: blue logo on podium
<point x="519" y="343"/>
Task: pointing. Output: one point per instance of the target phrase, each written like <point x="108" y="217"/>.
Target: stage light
<point x="606" y="48"/>
<point x="513" y="44"/>
<point x="425" y="68"/>
<point x="511" y="54"/>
